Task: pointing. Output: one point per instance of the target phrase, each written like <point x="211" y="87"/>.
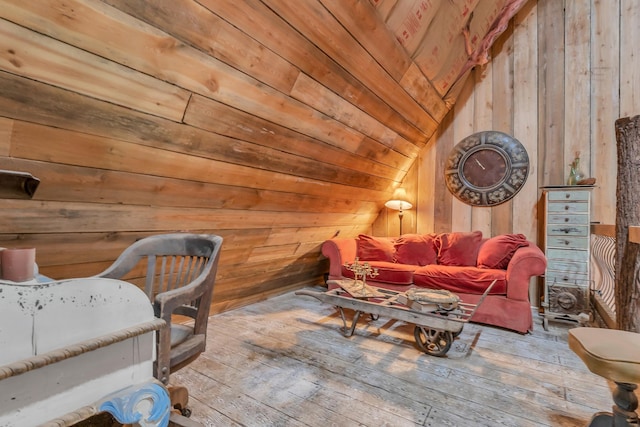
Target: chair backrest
<point x="179" y="271"/>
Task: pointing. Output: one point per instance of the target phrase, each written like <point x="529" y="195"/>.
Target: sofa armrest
<point x="526" y="262"/>
<point x="339" y="251"/>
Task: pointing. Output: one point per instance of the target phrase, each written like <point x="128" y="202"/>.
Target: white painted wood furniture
<point x="566" y="246"/>
<point x="70" y="349"/>
<point x="179" y="271"/>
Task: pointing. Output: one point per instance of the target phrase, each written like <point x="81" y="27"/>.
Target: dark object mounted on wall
<point x="486" y="168"/>
<point x="17" y="185"/>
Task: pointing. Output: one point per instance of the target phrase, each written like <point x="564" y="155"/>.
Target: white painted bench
<point x="73" y="348"/>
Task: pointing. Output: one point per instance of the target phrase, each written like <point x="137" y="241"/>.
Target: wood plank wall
<point x="279" y="124"/>
<point x="559" y="77"/>
<point x="273" y="123"/>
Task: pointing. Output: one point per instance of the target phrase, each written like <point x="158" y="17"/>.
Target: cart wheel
<point x="454" y="316"/>
<point x="432" y="341"/>
<point x="457" y="334"/>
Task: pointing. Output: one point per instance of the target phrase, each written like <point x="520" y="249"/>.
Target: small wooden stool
<point x="614" y="355"/>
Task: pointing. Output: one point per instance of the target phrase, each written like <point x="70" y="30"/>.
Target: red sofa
<point x="462" y="262"/>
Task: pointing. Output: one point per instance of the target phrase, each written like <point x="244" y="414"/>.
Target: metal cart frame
<point x="436" y="326"/>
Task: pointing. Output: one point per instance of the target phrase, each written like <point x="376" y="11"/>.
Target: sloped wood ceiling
<point x="445" y="39"/>
<point x="276" y="124"/>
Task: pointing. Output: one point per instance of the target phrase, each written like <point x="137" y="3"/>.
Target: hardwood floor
<point x="285" y="362"/>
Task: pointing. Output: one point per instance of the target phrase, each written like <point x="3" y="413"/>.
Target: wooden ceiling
<point x="445" y="39"/>
<point x="275" y="123"/>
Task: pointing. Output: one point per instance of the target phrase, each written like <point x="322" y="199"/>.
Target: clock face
<point x="486" y="168"/>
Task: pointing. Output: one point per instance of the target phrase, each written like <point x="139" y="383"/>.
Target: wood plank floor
<point x="285" y="362"/>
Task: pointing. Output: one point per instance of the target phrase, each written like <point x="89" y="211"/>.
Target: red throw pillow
<point x="375" y="248"/>
<point x="498" y="251"/>
<point x="415" y="249"/>
<point x="458" y="248"/>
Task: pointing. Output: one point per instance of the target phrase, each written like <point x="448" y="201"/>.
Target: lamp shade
<point x="399" y="200"/>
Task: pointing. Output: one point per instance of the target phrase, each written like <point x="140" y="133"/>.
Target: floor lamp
<point x="399" y="203"/>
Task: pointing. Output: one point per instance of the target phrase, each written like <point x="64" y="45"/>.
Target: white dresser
<point x="73" y="348"/>
<point x="566" y="246"/>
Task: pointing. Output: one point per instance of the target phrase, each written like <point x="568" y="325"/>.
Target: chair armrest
<point x="526" y="262"/>
<point x="170" y="300"/>
<point x="339" y="251"/>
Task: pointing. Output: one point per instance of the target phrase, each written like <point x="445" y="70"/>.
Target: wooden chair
<point x="179" y="271"/>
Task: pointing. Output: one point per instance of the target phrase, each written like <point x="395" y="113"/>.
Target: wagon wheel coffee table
<point x="438" y="315"/>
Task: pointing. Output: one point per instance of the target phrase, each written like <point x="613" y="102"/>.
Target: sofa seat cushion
<point x="388" y="272"/>
<point x="470" y="280"/>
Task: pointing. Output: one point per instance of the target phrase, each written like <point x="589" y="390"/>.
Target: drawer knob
<point x="567" y="196"/>
<point x="566" y="208"/>
<point x="566" y="220"/>
<point x="566" y="242"/>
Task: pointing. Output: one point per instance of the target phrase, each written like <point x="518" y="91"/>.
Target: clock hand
<point x="479" y="164"/>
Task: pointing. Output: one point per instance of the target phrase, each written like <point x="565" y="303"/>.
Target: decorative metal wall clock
<point x="486" y="168"/>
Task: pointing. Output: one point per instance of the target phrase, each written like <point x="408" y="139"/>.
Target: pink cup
<point x="18" y="264"/>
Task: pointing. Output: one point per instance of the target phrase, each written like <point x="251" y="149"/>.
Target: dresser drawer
<point x="568" y="195"/>
<point x="563" y="278"/>
<point x="568" y="242"/>
<point x="571" y="268"/>
<point x="566" y="255"/>
<point x="568" y="230"/>
<point x="569" y="207"/>
<point x="563" y="218"/>
<point x="567" y="299"/>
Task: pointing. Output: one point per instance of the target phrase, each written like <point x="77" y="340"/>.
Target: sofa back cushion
<point x="458" y="248"/>
<point x="372" y="248"/>
<point x="497" y="251"/>
<point x="415" y="249"/>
